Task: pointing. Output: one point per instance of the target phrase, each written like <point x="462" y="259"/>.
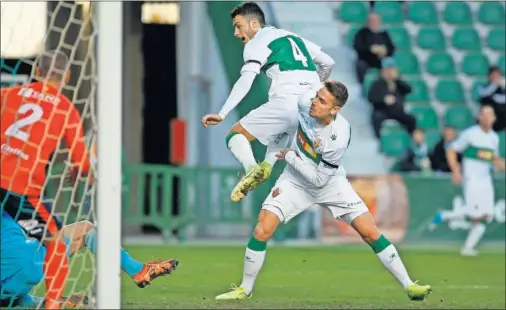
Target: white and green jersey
<point x="285" y="58"/>
<point x="327" y="155"/>
<point x="478" y="149"/>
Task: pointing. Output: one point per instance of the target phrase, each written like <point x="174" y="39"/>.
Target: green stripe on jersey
<point x="290" y="53"/>
<point x="306" y="146"/>
<point x="479" y="153"/>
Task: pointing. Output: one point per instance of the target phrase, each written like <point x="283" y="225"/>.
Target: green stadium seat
<point x="432" y="137"/>
<point x="449" y="91"/>
<point x="394" y="142"/>
<point x="400" y="38"/>
<point x="440" y="64"/>
<point x="431" y="38"/>
<point x="502" y="63"/>
<point x="370" y="77"/>
<point x="502" y="143"/>
<point x="390" y="11"/>
<point x="426" y="117"/>
<point x="476" y="85"/>
<point x="459" y="117"/>
<point x="407" y="63"/>
<point x="475" y="64"/>
<point x="419" y="92"/>
<point x="352" y="32"/>
<point x="353" y="12"/>
<point x="423" y="13"/>
<point x="457" y="13"/>
<point x="491" y="13"/>
<point x="466" y="39"/>
<point x="496" y="40"/>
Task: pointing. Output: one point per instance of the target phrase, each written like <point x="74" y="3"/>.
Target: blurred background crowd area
<point x="417" y="73"/>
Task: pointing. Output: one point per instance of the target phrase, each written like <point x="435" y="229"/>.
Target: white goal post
<point x="109" y="104"/>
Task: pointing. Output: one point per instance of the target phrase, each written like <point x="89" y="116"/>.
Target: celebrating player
<point x="294" y="65"/>
<point x="479" y="146"/>
<point x="314" y="176"/>
<point x="34" y="119"/>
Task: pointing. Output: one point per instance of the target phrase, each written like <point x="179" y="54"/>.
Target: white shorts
<point x="273" y="120"/>
<point x="287" y="200"/>
<point x="479" y="198"/>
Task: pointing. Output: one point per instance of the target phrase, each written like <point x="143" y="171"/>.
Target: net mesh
<point x="67" y="27"/>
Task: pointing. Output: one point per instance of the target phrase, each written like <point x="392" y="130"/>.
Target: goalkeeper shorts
<point x="31" y="214"/>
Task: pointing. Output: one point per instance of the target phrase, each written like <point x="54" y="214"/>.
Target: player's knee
<point x="266" y="226"/>
<point x="366" y="227"/>
<point x="30" y="265"/>
<point x="238" y="129"/>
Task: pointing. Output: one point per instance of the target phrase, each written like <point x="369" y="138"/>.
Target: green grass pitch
<point x="343" y="277"/>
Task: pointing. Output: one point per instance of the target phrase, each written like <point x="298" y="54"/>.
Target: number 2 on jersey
<point x="297" y="53"/>
<point x="15" y="131"/>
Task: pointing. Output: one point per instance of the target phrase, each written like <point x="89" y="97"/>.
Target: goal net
<point x="28" y="29"/>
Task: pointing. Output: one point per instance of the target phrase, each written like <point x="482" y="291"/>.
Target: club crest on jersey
<point x="276" y="192"/>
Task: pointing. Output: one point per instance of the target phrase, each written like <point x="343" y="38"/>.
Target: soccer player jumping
<point x="35" y="118"/>
<point x="314" y="175"/>
<point x="294" y="64"/>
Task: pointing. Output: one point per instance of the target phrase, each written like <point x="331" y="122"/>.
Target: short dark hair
<point x="52" y="64"/>
<point x="249" y="8"/>
<point x="338" y="91"/>
<point x="493" y="69"/>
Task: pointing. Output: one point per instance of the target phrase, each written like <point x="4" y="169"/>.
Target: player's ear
<point x="66" y="78"/>
<point x="37" y="72"/>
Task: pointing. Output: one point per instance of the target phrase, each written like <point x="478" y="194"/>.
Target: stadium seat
<point x="431" y="38"/>
<point x="394" y="142"/>
<point x="457" y="13"/>
<point x="419" y="92"/>
<point x="432" y="137"/>
<point x="370" y="77"/>
<point x="475" y="64"/>
<point x="502" y="63"/>
<point x="476" y="85"/>
<point x="449" y="91"/>
<point x="466" y="39"/>
<point x="459" y="117"/>
<point x="423" y="13"/>
<point x="407" y="63"/>
<point x="353" y="12"/>
<point x="426" y="117"/>
<point x="351" y="34"/>
<point x="491" y="13"/>
<point x="496" y="40"/>
<point x="440" y="64"/>
<point x="400" y="38"/>
<point x="502" y="143"/>
<point x="390" y="11"/>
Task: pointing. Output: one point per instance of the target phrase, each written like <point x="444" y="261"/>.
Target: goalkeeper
<point x="34" y="119"/>
<point x="22" y="261"/>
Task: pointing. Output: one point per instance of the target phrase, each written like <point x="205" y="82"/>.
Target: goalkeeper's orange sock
<point x="56" y="268"/>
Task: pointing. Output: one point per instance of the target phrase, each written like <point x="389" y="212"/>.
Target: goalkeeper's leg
<point x="21" y="264"/>
<point x="83" y="234"/>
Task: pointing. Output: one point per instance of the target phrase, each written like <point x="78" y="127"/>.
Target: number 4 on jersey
<point x="297" y="53"/>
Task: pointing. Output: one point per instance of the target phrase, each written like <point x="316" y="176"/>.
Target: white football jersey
<point x="285" y="58"/>
<point x="478" y="149"/>
<point x="327" y="154"/>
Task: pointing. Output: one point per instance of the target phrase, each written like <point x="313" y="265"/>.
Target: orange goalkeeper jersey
<point x="35" y="118"/>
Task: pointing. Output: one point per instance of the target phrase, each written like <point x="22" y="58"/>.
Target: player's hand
<point x="457" y="177"/>
<point x="211" y="120"/>
<point x="71" y="175"/>
<point x="281" y="155"/>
